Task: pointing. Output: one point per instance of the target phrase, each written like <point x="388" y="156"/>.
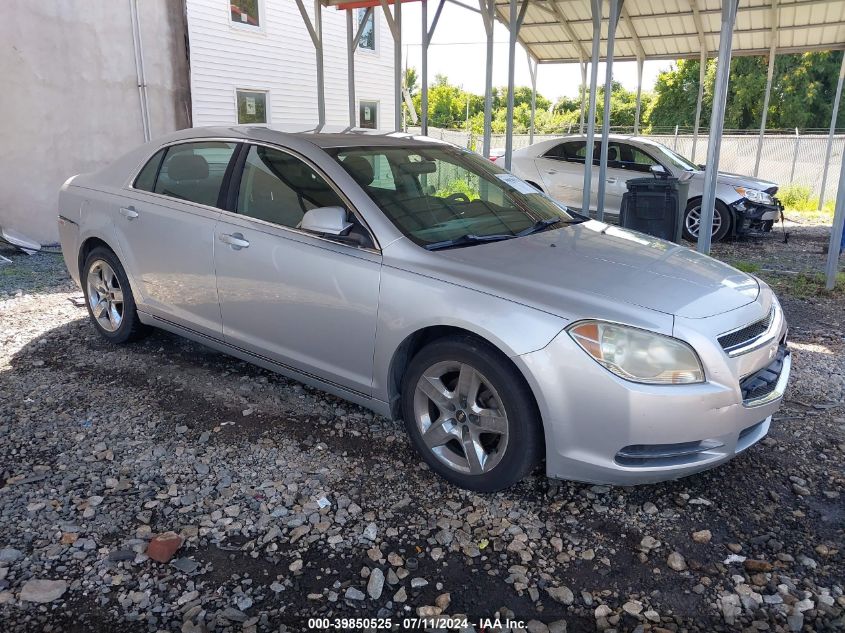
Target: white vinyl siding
<point x="279" y="58"/>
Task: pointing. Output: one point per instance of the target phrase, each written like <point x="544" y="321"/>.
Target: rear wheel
<point x="109" y="298"/>
<point x="692" y="221"/>
<point x="470" y="415"/>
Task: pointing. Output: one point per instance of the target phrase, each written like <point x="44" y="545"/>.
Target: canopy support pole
<point x="702" y="77"/>
<point x="352" y="42"/>
<point x="836" y="232"/>
<point x="717" y="122"/>
<point x="583" y="66"/>
<point x="394" y="22"/>
<point x="514" y="22"/>
<point x="532" y="70"/>
<point x="488" y="15"/>
<point x="613" y="22"/>
<point x="315" y="30"/>
<point x="834" y="115"/>
<point x="591" y="121"/>
<point x="424" y="71"/>
<point x="769" y="76"/>
<point x="640" y="63"/>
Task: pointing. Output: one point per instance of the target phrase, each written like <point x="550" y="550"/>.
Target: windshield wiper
<point x="541" y="225"/>
<point x="465" y="240"/>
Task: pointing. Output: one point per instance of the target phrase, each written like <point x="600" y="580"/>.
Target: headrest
<point x="612" y="154"/>
<point x="360" y="169"/>
<point x="187" y="167"/>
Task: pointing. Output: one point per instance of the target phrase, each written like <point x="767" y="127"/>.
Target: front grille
<point x="744" y="336"/>
<point x="764" y="382"/>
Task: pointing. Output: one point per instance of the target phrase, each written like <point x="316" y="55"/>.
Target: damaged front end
<point x="756" y="211"/>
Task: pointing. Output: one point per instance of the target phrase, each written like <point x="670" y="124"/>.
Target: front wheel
<point x="470" y="415"/>
<point x="692" y="221"/>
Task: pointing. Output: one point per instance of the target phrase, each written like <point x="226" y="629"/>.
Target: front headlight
<point x="638" y="355"/>
<point x="754" y="195"/>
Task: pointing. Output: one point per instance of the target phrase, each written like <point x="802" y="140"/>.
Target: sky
<point x="458" y="50"/>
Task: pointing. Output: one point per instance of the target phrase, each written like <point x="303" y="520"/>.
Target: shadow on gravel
<point x="33" y="274"/>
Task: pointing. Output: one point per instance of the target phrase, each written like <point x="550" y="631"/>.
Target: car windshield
<point x="443" y="197"/>
<point x="674" y="158"/>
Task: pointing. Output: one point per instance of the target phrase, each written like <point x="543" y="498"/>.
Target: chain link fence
<point x="786" y="159"/>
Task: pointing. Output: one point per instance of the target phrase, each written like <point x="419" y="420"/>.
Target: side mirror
<point x="659" y="171"/>
<point x="326" y="221"/>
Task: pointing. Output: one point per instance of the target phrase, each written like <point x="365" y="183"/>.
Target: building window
<point x="368" y="35"/>
<point x="252" y="106"/>
<point x="368" y="114"/>
<point x="245" y="12"/>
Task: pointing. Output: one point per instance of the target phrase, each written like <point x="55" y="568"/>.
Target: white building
<point x="253" y="61"/>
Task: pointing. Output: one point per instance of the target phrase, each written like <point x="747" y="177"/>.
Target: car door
<point x="165" y="230"/>
<point x="616" y="177"/>
<point x="562" y="171"/>
<point x="302" y="300"/>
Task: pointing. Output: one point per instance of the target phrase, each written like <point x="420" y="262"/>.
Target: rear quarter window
<point x="146" y="180"/>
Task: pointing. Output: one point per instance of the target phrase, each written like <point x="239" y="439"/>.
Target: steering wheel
<point x="458" y="197"/>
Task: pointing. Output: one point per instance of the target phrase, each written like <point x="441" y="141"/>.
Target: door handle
<point x="128" y="212"/>
<point x="612" y="181"/>
<point x="235" y="240"/>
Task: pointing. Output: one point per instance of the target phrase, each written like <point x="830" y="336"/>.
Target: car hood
<point x="555" y="270"/>
<point x="738" y="180"/>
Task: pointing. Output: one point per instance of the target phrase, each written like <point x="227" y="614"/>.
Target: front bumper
<point x="602" y="429"/>
<point x="751" y="216"/>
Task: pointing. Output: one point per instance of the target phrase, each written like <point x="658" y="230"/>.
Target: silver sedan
<point x="427" y="284"/>
<point x="556" y="166"/>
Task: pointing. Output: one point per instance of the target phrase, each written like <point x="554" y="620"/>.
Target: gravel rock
<point x="354" y="594"/>
<point x="561" y="594"/>
<point x="375" y="585"/>
<point x="676" y="561"/>
<point x="40" y="590"/>
<point x="163" y="546"/>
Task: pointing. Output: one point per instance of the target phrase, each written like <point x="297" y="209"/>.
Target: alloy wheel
<point x="693" y="221"/>
<point x="461" y="418"/>
<point x="105" y="296"/>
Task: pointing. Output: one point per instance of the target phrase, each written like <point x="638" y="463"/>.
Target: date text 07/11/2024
<point x="410" y="622"/>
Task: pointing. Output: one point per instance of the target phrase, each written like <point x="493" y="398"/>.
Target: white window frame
<point x="376" y="34"/>
<point x="378" y="112"/>
<point x="267" y="104"/>
<point x="243" y="26"/>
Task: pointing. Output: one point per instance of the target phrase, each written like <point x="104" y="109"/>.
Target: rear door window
<point x="195" y="171"/>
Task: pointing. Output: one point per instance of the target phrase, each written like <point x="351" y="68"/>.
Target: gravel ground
<point x="290" y="504"/>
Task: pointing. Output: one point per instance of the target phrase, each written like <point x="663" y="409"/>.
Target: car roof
<point x="327" y="137"/>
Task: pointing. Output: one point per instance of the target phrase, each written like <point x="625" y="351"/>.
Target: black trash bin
<point x="653" y="205"/>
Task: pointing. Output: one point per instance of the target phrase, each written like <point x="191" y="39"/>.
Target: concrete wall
<point x="70" y="98"/>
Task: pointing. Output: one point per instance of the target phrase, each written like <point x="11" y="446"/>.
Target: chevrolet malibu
<point x="743" y="203"/>
<point x="425" y="283"/>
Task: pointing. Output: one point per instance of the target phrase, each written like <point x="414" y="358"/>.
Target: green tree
<point x="802" y="93"/>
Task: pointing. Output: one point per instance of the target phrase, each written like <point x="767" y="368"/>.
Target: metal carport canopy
<point x="562" y="31"/>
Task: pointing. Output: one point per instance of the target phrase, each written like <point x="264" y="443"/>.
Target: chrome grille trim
<point x="751" y="336"/>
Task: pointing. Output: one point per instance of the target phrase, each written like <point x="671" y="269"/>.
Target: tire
<point x="109" y="299"/>
<point x="507" y="440"/>
<point x="721" y="218"/>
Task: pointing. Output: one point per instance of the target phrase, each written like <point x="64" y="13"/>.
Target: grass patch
<point x="799" y="203"/>
<point x="806" y="285"/>
<point x="746" y="266"/>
